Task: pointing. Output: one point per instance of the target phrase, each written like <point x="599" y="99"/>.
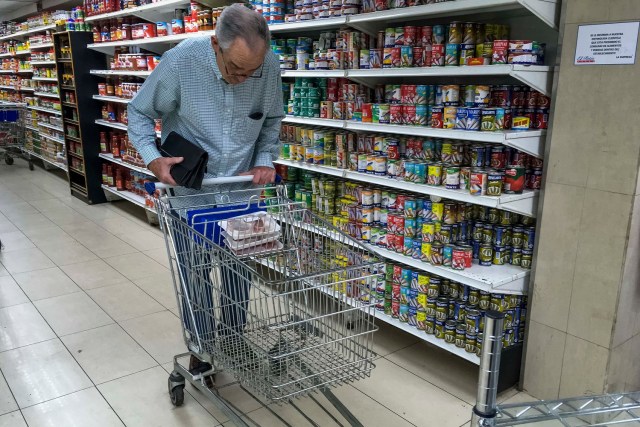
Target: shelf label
<point x="607" y="44"/>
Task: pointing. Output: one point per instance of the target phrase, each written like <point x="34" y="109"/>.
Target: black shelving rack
<point x="79" y="110"/>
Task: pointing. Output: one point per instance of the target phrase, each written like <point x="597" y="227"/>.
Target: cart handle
<point x="151" y="187"/>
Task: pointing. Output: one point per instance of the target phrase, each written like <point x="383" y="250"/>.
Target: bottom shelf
<point x="49" y="161"/>
<point x="128" y="195"/>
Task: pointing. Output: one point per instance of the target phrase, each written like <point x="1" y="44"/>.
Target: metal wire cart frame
<point x="12" y="131"/>
<point x="286" y="308"/>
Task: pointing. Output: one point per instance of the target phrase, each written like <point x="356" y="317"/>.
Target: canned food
<point x="485" y="256"/>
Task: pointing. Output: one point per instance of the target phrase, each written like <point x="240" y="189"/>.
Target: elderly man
<point x="223" y="93"/>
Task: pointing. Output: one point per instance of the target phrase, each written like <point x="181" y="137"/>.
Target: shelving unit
<point x="109" y="73"/>
<point x="22" y="34"/>
<point x="119" y="162"/>
<point x="128" y="195"/>
<point x="112" y="99"/>
<point x="154" y="44"/>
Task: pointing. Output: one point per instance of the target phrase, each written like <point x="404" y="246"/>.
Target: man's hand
<point x="161" y="168"/>
<point x="262" y="175"/>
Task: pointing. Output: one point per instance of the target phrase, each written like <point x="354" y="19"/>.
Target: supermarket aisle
<point x="88" y="327"/>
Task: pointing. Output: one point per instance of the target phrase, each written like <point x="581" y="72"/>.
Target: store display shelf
<point x="112" y="159"/>
<point x="46" y="125"/>
<point x="314" y="24"/>
<point x="154" y="44"/>
<point x="73" y="122"/>
<point x="24" y="71"/>
<point x="51" y="162"/>
<point x="32" y="128"/>
<point x="546" y="11"/>
<point x="8" y="87"/>
<point x="73" y="138"/>
<point x="114" y="125"/>
<point x="44" y="110"/>
<point x="76" y="155"/>
<point x="120" y="73"/>
<point x="78" y="171"/>
<point x="525" y="203"/>
<point x="45" y="79"/>
<point x="47" y="95"/>
<point x="51" y="138"/>
<point x="152" y="11"/>
<point x="112" y="99"/>
<point x="28" y="32"/>
<point x="8" y="71"/>
<point x="314" y="73"/>
<point x="37" y="63"/>
<point x="531" y="142"/>
<point x="128" y="195"/>
<point x="12" y="54"/>
<point x="40" y="46"/>
<point x="69" y="104"/>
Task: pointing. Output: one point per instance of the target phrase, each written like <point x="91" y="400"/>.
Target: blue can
<point x="410" y="208"/>
<point x="477" y="156"/>
<point x="517" y="312"/>
<point x="437" y="148"/>
<point x="426" y="209"/>
<point x="529" y="238"/>
<point x="473" y="118"/>
<point x="412" y="298"/>
<point x="414" y="280"/>
<point x="438" y="34"/>
<point x="499" y="236"/>
<point x="417" y="248"/>
<point x="459" y="310"/>
<point x="438" y="96"/>
<point x="412" y="317"/>
<point x="461" y="118"/>
<point x="421" y="115"/>
<point x="422" y="94"/>
<point x="406" y="56"/>
<point x="405" y="280"/>
<point x="464" y="230"/>
<point x="409" y="170"/>
<point x="476" y="248"/>
<point x="419" y="222"/>
<point x="447" y="255"/>
<point x="404" y="295"/>
<point x="403" y="314"/>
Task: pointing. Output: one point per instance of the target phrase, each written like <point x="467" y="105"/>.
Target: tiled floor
<point x="88" y="329"/>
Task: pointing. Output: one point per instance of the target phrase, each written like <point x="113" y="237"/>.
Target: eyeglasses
<point x="255" y="75"/>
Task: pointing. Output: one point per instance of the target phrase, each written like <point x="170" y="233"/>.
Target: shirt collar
<point x="212" y="55"/>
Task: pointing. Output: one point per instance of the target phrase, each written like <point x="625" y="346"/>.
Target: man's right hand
<point x="161" y="168"/>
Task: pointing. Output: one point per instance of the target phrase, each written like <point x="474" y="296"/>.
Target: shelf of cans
<point x="120" y="73"/>
<point x="470" y="243"/>
<point x="115" y="147"/>
<point x="128" y="184"/>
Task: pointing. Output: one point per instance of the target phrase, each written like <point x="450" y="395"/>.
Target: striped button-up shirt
<point x="188" y="93"/>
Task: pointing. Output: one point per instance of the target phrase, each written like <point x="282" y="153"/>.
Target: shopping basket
<point x="12" y="131"/>
<point x="269" y="292"/>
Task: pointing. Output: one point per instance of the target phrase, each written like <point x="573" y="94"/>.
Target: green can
<point x="439" y="329"/>
<point x="442" y="308"/>
<point x="526" y="259"/>
<point x="285" y="151"/>
<point x="485" y="255"/>
<point x="450" y="332"/>
<point x="431" y="307"/>
<point x="485" y="300"/>
<point x="375" y="113"/>
<point x="430" y="325"/>
<point x="499" y="255"/>
<point x="470" y="342"/>
<point x="479" y="339"/>
<point x="461" y="330"/>
<point x="387" y="306"/>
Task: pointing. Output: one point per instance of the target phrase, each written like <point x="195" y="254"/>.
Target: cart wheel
<point x="31" y="166"/>
<point x="8" y="160"/>
<point x="177" y="395"/>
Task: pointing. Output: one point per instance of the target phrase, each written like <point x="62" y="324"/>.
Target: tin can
<point x="526" y="259"/>
<point x="437" y="117"/>
<point x="452" y="55"/>
<point x="478" y="183"/>
<point x="406" y="56"/>
<point x="461" y="118"/>
<point x="438" y="55"/>
<point x="419" y="56"/>
<point x="494" y="183"/>
<point x="396" y="57"/>
<point x="434" y="174"/>
<point x="472" y="320"/>
<point x="449" y="117"/>
<point x="514" y="179"/>
<point x="470" y="342"/>
<point x="486" y="255"/>
<point x="450" y="331"/>
<point x="439" y="328"/>
<point x="467" y="53"/>
<point x="447" y="255"/>
<point x="451" y="95"/>
<point x="395" y="114"/>
<point x="429" y="325"/>
<point x="458" y="259"/>
<point x="460" y="335"/>
<point x="528" y="241"/>
<point x="479" y="342"/>
<point x="436" y="253"/>
<point x="375" y="58"/>
<point x="473" y="118"/>
<point x="488" y="119"/>
<point x="482" y="96"/>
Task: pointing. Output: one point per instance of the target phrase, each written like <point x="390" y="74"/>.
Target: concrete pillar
<point x="584" y="321"/>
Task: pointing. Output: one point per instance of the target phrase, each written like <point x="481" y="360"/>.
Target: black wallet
<point x="190" y="172"/>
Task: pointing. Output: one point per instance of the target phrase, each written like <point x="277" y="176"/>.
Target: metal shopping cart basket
<point x="269" y="292"/>
<point x="12" y="131"/>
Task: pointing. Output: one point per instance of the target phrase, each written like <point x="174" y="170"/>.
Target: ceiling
<point x="11" y="9"/>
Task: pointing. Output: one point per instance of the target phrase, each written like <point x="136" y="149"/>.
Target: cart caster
<point x="176" y="389"/>
<point x="8" y="160"/>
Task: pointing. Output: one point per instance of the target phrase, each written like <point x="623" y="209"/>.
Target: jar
<point x="115" y="145"/>
<point x="110" y="88"/>
<point x="102" y="89"/>
<point x="205" y="21"/>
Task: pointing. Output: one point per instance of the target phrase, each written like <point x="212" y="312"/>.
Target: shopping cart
<point x="285" y="305"/>
<point x="12" y="131"/>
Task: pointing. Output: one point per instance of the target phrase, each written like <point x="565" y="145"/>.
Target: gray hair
<point x="238" y="20"/>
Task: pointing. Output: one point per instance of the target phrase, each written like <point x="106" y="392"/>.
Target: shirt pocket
<point x="252" y="128"/>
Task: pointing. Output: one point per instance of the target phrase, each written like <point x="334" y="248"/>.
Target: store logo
<point x="585" y="59"/>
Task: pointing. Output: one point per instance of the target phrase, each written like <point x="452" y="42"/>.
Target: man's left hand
<point x="262" y="175"/>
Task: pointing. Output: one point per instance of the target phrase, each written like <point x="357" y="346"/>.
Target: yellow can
<point x="437" y="209"/>
<point x="425" y="251"/>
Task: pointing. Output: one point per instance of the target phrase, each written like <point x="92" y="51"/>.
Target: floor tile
<point x="159" y="333"/>
<point x="440" y="368"/>
<point x="14" y="419"/>
<point x="93" y="274"/>
<point x="413" y="398"/>
<point x="119" y="225"/>
<point x="72" y="313"/>
<point x="135" y="266"/>
<point x="10" y="292"/>
<point x="142" y="400"/>
<point x="41" y="372"/>
<point x="48" y="235"/>
<point x="159" y="255"/>
<point x="22" y="325"/>
<point x="15" y="210"/>
<point x="24" y="222"/>
<point x="47" y="283"/>
<point x="64" y="216"/>
<point x="79" y="409"/>
<point x="108" y="246"/>
<point x="67" y="253"/>
<point x="7" y="226"/>
<point x="48" y="205"/>
<point x="7" y="402"/>
<point x="124" y="301"/>
<point x="25" y="260"/>
<point x="15" y="240"/>
<point x="3" y="271"/>
<point x="107" y="353"/>
<point x="389" y="339"/>
<point x="143" y="240"/>
<point x="160" y="287"/>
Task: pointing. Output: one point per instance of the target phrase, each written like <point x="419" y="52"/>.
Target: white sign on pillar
<point x="607" y="44"/>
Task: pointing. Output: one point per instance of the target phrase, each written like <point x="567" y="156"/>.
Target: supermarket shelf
<point x="112" y="99"/>
<point x="7" y="71"/>
<point x="112" y="159"/>
<point x="128" y="195"/>
<point x="44" y="110"/>
<point x="51" y="138"/>
<point x="531" y="142"/>
<point x="120" y="73"/>
<point x="28" y="32"/>
<point x="8" y="87"/>
<point x="13" y="54"/>
<point x="46" y="125"/>
<point x="36" y="63"/>
<point x="51" y="162"/>
<point x="25" y="71"/>
<point x="114" y="125"/>
<point x="545" y="10"/>
<point x="45" y="79"/>
<point x="314" y="73"/>
<point x="47" y="95"/>
<point x="154" y="44"/>
<point x="27" y="89"/>
<point x="151" y="12"/>
<point x="314" y="24"/>
<point x="32" y="128"/>
<point x="40" y="46"/>
<point x="525" y="203"/>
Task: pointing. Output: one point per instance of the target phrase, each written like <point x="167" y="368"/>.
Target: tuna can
<point x="450" y="332"/>
<point x="437" y="117"/>
<point x="396" y="57"/>
<point x="406" y="56"/>
<point x="447" y="255"/>
<point x="452" y="180"/>
<point x="449" y="117"/>
<point x="418" y="56"/>
<point x="473" y="119"/>
<point x="425" y="251"/>
<point x="452" y="55"/>
<point x="403" y="313"/>
<point x="434" y="174"/>
<point x="375" y="58"/>
<point x="485" y="255"/>
<point x="436" y="253"/>
<point x="494" y="183"/>
<point x="461" y="118"/>
<point x="387" y="57"/>
<point x="420" y="114"/>
<point x="438" y="55"/>
<point x="395" y="114"/>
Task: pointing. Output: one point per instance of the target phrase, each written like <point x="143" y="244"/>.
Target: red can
<point x="399" y="243"/>
<point x="410" y="35"/>
<point x="437" y="117"/>
<point x="437" y="55"/>
<point x="397" y="275"/>
<point x="395" y="114"/>
<point x="518" y="97"/>
<point x="543" y="101"/>
<point x="535" y="163"/>
<point x="457" y="259"/>
<point x="367" y="115"/>
<point x="498" y="157"/>
<point x="391" y="225"/>
<point x="534" y="179"/>
<point x="468" y="256"/>
<point x="418" y="56"/>
<point x="332" y="94"/>
<point x="150" y="30"/>
<point x="415" y="149"/>
<point x="408" y="94"/>
<point x="500" y="96"/>
<point x="427" y="58"/>
<point x="395" y="57"/>
<point x="508" y="115"/>
<point x="409" y="114"/>
<point x="393" y="152"/>
<point x="519" y="158"/>
<point x="542" y="118"/>
<point x="425" y="36"/>
<point x="400" y="199"/>
<point x="381" y="5"/>
<point x="396" y="291"/>
<point x="395" y="304"/>
<point x="531" y="99"/>
<point x="530" y="113"/>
